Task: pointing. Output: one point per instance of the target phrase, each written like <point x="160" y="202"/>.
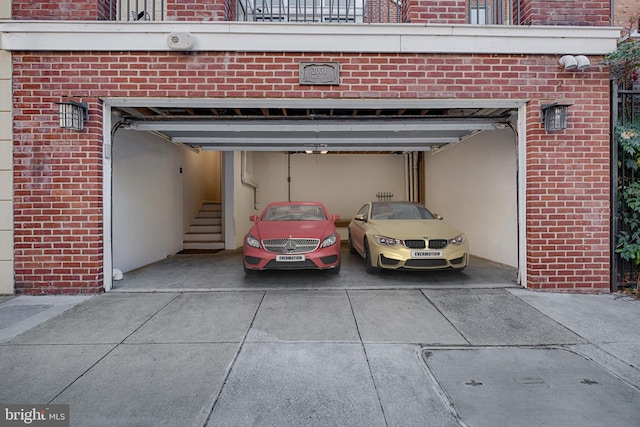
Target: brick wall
<point x="626" y="14"/>
<point x="198" y="10"/>
<point x="566" y="12"/>
<point x="72" y="10"/>
<point x="58" y="177"/>
<point x="536" y="12"/>
<point x="435" y="12"/>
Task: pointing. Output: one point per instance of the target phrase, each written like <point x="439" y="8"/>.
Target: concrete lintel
<point x="286" y="37"/>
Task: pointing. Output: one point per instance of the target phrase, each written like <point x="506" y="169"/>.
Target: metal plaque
<point x="319" y="73"/>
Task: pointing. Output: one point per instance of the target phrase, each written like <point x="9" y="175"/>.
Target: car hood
<point x="285" y="229"/>
<point x="414" y="229"/>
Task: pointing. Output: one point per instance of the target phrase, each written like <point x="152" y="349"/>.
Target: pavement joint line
<point x="204" y="416"/>
<point x="366" y="356"/>
<point x="444" y="316"/>
<point x="109" y="352"/>
<point x="571" y="348"/>
<point x="440" y="390"/>
<point x="586" y="342"/>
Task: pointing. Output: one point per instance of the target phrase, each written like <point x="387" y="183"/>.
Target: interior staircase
<point x="205" y="233"/>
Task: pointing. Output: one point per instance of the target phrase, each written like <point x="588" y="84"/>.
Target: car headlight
<point x="387" y="241"/>
<point x="252" y="241"/>
<point x="329" y="241"/>
<point x="458" y="240"/>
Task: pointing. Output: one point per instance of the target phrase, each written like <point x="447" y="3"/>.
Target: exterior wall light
<point x="555" y="116"/>
<point x="72" y="115"/>
<point x="574" y="63"/>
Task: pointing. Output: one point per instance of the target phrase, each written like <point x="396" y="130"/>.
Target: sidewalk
<point x="347" y="357"/>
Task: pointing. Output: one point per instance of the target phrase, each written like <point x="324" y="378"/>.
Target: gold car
<point x="405" y="235"/>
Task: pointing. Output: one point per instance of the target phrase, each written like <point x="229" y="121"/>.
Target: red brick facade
<point x="430" y="12"/>
<point x="58" y="176"/>
<point x="594" y="13"/>
<point x="180" y="10"/>
<point x="69" y="10"/>
<point x="626" y="14"/>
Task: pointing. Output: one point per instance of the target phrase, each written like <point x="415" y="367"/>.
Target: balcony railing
<point x="479" y="12"/>
<point x="140" y="10"/>
<point x="333" y="11"/>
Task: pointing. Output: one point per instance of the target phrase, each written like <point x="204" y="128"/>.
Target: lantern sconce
<point x="72" y="114"/>
<point x="555" y="116"/>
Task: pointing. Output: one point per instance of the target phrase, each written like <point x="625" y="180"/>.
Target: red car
<point x="291" y="236"/>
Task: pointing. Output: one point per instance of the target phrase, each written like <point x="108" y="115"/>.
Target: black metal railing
<point x="138" y="10"/>
<point x="320" y="11"/>
<point x="625" y="188"/>
<point x="479" y="12"/>
<point x="491" y="12"/>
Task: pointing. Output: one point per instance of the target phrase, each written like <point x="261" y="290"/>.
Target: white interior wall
<point x="342" y="182"/>
<point x="473" y="185"/>
<point x="153" y="201"/>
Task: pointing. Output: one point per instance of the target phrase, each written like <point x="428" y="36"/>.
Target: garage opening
<point x="177" y="167"/>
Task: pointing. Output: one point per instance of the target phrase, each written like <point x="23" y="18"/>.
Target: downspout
<point x="245" y="180"/>
<point x="411" y="172"/>
<point x="407" y="174"/>
<point x="416" y="187"/>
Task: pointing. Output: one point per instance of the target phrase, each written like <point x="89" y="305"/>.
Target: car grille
<point x="290" y="246"/>
<point x="426" y="263"/>
<point x="414" y="244"/>
<point x="299" y="265"/>
<point x="438" y="244"/>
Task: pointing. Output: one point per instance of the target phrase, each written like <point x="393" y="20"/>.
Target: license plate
<point x="289" y="258"/>
<point x="425" y="254"/>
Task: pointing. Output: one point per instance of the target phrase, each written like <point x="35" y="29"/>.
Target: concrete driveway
<point x="260" y="354"/>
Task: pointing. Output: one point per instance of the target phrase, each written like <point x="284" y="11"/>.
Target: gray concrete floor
<point x="223" y="270"/>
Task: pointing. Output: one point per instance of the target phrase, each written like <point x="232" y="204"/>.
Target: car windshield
<point x="394" y="210"/>
<point x="294" y="213"/>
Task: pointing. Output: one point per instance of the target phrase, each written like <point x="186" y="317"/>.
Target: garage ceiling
<point x="350" y="128"/>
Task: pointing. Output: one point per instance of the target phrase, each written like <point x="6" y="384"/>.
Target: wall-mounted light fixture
<point x="574" y="63"/>
<point x="72" y="115"/>
<point x="317" y="149"/>
<point x="555" y="116"/>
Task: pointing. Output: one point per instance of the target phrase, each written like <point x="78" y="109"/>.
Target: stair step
<point x="207" y="221"/>
<point x="203" y="245"/>
<point x="202" y="237"/>
<point x="209" y="214"/>
<point x="206" y="228"/>
<point x="212" y="207"/>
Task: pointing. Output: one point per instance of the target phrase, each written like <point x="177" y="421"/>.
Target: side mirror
<point x="360" y="217"/>
<point x="335" y="217"/>
<point x="438" y="217"/>
<point x="253" y="218"/>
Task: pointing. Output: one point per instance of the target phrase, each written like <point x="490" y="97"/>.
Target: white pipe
<point x="245" y="180"/>
<point x="415" y="156"/>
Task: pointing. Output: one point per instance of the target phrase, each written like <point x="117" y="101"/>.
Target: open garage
<point x="185" y="177"/>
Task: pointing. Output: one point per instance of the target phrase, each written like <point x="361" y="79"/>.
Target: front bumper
<point x="321" y="259"/>
<point x="394" y="258"/>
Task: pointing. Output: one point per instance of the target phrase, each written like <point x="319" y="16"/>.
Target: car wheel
<point x="368" y="266"/>
<point x="352" y="249"/>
